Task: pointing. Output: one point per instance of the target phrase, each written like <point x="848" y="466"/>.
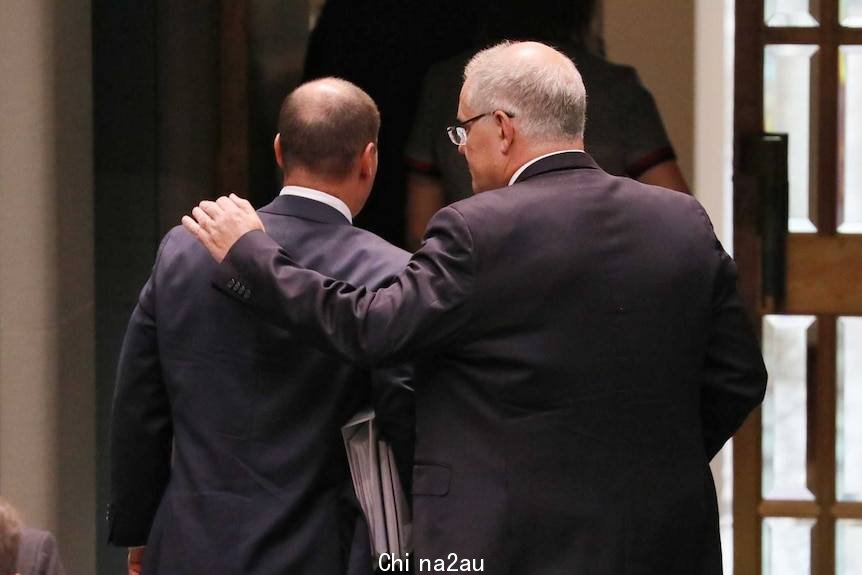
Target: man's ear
<point x="368" y="161"/>
<point x="276" y="145"/>
<point x="506" y="131"/>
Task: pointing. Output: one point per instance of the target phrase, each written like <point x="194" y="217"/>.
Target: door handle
<point x="765" y="160"/>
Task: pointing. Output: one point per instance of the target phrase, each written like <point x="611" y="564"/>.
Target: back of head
<point x="324" y="125"/>
<point x="10" y="538"/>
<point x="537" y="85"/>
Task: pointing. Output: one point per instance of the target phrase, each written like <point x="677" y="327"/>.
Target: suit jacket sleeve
<point x="396" y="414"/>
<point x="423" y="309"/>
<point x="141" y="431"/>
<point x="734" y="377"/>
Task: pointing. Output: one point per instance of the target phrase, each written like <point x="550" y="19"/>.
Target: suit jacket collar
<point x="305" y="208"/>
<point x="557" y="162"/>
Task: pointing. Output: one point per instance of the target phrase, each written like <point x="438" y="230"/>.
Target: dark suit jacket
<point x="585" y="355"/>
<point x="256" y="481"/>
<point x="38" y="554"/>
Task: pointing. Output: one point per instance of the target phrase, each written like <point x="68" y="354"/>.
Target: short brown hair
<point x="324" y="130"/>
<point x="10" y="538"/>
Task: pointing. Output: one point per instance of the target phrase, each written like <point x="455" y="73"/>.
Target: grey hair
<point x="549" y="101"/>
<point x="10" y="537"/>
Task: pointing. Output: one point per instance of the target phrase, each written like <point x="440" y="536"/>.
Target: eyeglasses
<point x="458" y="132"/>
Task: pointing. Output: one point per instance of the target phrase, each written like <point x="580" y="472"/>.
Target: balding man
<point x="226" y="450"/>
<point x="586" y="351"/>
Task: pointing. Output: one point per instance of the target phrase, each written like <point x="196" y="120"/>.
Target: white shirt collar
<point x="318" y="196"/>
<point x="520" y="170"/>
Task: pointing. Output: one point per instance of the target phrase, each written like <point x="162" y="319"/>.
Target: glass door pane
<point x="787" y="546"/>
<point x="848" y="547"/>
<point x="848" y="446"/>
<point x="850" y="12"/>
<point x="850" y="139"/>
<point x="787" y="87"/>
<point x="795" y="13"/>
<point x="789" y="345"/>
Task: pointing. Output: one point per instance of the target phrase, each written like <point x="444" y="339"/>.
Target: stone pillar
<point x="47" y="437"/>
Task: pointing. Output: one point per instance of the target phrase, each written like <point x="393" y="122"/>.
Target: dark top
<point x="385" y="47"/>
<point x="258" y="481"/>
<point x="624" y="130"/>
<point x="585" y="354"/>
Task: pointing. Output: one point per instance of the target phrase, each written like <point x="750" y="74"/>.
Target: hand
<point x="136" y="554"/>
<point x="219" y="224"/>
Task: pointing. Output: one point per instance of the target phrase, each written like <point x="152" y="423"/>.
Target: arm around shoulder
<point x="421" y="310"/>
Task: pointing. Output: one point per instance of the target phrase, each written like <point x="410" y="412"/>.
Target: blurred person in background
<point x="385" y="47"/>
<point x="10" y="538"/>
<point x="23" y="550"/>
<point x="624" y="132"/>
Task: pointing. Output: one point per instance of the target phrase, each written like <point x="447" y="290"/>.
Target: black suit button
<point x="247" y="294"/>
<point x="231" y="283"/>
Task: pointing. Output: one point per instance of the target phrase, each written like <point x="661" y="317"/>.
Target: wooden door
<point x="798" y="460"/>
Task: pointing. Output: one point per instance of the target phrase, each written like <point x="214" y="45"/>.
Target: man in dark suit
<point x="585" y="351"/>
<point x="226" y="452"/>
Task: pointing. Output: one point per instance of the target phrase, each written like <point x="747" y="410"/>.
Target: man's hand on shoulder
<point x="219" y="224"/>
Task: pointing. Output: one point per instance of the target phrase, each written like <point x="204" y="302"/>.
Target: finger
<point x="244" y="204"/>
<point x="192" y="226"/>
<point x="225" y="204"/>
<point x="202" y="218"/>
<point x="212" y="209"/>
<point x="202" y="235"/>
<point x="247" y="208"/>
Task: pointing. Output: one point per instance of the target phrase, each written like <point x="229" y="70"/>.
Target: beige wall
<point x="47" y="437"/>
<point x="713" y="116"/>
<point x="683" y="51"/>
<point x="657" y="38"/>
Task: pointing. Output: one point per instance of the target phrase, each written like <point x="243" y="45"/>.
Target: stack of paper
<point x="377" y="486"/>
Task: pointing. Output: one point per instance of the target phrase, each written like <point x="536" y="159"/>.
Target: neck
<point x="338" y="189"/>
<point x="530" y="152"/>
